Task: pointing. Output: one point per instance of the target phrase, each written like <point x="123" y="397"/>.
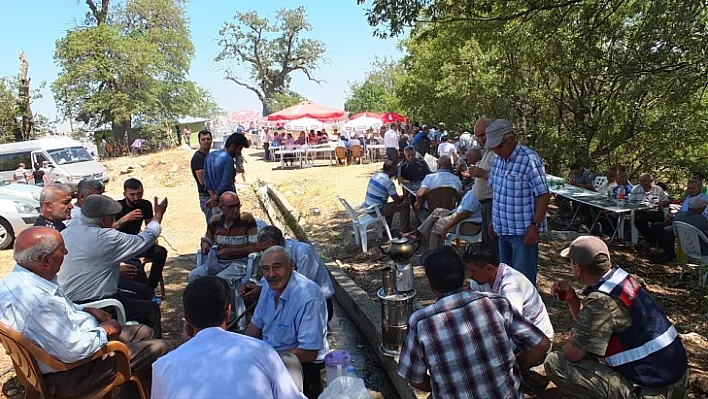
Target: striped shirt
<point x="516" y="183"/>
<point x="239" y="234"/>
<point x="379" y="189"/>
<point x="655" y="195"/>
<point x="522" y="295"/>
<point x="464" y="341"/>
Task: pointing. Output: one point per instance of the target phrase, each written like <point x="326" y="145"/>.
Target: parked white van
<point x="68" y="160"/>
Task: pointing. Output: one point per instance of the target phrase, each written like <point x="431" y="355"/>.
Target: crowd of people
<point x="479" y="340"/>
<point x="476" y="340"/>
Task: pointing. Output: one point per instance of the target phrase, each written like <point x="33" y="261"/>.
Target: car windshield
<point x="70" y="155"/>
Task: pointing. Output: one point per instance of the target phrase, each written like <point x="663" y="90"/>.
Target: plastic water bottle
<point x="620" y="196"/>
<point x="350" y="372"/>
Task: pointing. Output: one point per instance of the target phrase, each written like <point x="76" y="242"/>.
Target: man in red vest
<point x="622" y="344"/>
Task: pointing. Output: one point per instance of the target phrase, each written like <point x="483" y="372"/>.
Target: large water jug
<point x="336" y="364"/>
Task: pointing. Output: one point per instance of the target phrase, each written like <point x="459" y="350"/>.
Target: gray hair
<point x="696" y="182"/>
<point x="33" y="254"/>
<point x="89" y="221"/>
<point x="409" y="149"/>
<point x="270" y="234"/>
<point x="85" y="187"/>
<point x="51" y="192"/>
<point x="280" y="250"/>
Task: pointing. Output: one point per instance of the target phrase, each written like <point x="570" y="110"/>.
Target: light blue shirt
<point x="38" y="309"/>
<point x="299" y="320"/>
<point x="309" y="263"/>
<point x="221" y="364"/>
<point x="441" y="178"/>
<point x="91" y="269"/>
<point x="470" y="203"/>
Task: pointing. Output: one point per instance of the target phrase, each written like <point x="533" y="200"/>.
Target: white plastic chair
<point x="691" y="238"/>
<point x="456" y="235"/>
<point x="249" y="265"/>
<point x="362" y="219"/>
<point x="599" y="182"/>
<point x="111" y="303"/>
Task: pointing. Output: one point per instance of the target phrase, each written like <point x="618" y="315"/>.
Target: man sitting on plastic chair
<point x="441" y="221"/>
<point x="230" y="237"/>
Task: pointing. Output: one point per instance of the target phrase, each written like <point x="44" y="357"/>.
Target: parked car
<point x="16" y="214"/>
<point x="29" y="191"/>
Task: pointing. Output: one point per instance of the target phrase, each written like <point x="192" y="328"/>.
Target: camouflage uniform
<point x="600" y="317"/>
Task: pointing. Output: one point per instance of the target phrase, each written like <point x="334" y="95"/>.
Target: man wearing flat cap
<point x="91" y="268"/>
<point x="520" y="198"/>
<point x="622" y="344"/>
<point x="692" y="212"/>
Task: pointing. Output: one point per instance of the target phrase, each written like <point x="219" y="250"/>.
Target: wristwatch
<point x="538" y="225"/>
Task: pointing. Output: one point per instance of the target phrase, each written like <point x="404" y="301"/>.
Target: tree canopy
<point x="271" y="52"/>
<point x="595" y="81"/>
<point x="127" y="63"/>
<point x="377" y="92"/>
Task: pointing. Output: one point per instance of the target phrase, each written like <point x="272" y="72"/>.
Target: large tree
<point x="600" y="81"/>
<point x="128" y="63"/>
<point x="271" y="52"/>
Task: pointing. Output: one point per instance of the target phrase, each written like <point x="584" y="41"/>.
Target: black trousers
<point x="330" y="309"/>
<point x="392" y="154"/>
<point x="644" y="220"/>
<point x="312" y="379"/>
<point x="664" y="237"/>
<point x="158" y="256"/>
<point x="136" y="290"/>
<point x="266" y="151"/>
<point x="144" y="312"/>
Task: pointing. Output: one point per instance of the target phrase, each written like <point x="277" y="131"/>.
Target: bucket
<point x="336" y="364"/>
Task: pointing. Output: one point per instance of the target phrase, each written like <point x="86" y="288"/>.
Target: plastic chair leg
<point x="378" y="229"/>
<point x="364" y="239"/>
<point x="357" y="238"/>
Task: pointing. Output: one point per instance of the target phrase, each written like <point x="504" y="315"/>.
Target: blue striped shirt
<point x="516" y="183"/>
<point x="379" y="189"/>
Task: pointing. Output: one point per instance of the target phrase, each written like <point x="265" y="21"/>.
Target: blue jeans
<point x="208" y="212"/>
<point x="523" y="258"/>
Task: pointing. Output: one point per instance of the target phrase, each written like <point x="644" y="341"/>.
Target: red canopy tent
<point x="307" y="109"/>
<point x="390" y="117"/>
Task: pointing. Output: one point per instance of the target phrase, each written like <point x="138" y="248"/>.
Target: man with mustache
<point x="291" y="316"/>
<point x="55" y="202"/>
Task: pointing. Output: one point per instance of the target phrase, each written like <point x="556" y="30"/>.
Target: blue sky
<point x="340" y="24"/>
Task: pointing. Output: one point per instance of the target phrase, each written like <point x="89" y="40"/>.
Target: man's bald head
<point x="444" y="162"/>
<point x="474" y="155"/>
<point x="41" y="250"/>
<point x="481" y="126"/>
<point x="229" y="196"/>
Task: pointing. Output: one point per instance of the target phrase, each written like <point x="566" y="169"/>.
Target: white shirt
<point x="38" y="309"/>
<point x="522" y="295"/>
<point x="390" y="139"/>
<point x="220" y="364"/>
<point x="655" y="195"/>
<point x="447" y="148"/>
<point x="21" y="175"/>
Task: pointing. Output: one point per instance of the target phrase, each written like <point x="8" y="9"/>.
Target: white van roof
<point x="49" y="143"/>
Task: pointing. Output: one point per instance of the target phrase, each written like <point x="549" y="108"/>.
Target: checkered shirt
<point x="516" y="182"/>
<point x="465" y="341"/>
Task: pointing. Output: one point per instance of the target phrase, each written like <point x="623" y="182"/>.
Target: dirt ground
<point x="313" y="192"/>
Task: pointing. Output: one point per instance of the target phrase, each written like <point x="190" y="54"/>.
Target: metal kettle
<point x="397" y="279"/>
<point x="400" y="250"/>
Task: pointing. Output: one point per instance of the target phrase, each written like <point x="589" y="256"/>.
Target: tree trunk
<point x="265" y="110"/>
<point x="25" y="110"/>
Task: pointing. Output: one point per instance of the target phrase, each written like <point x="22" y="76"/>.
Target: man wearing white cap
<point x="622" y="344"/>
<point x="520" y="198"/>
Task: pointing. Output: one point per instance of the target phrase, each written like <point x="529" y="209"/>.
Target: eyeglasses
<point x="233" y="206"/>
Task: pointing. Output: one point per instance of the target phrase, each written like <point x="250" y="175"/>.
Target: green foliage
<point x="376" y="93"/>
<point x="281" y="100"/>
<point x="8" y="111"/>
<point x="131" y="67"/>
<point x="599" y="81"/>
<point x="271" y="51"/>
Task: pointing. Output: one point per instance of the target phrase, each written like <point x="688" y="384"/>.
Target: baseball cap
<point x="97" y="205"/>
<point x="584" y="249"/>
<point x="496" y="131"/>
<point x="697" y="202"/>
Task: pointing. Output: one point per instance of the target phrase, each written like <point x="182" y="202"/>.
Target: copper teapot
<point x="400" y="249"/>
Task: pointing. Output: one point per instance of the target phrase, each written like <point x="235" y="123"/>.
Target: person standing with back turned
<point x="219" y="170"/>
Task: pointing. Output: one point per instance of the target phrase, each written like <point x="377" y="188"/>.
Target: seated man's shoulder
<point x="307" y="287"/>
<point x="248" y="217"/>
